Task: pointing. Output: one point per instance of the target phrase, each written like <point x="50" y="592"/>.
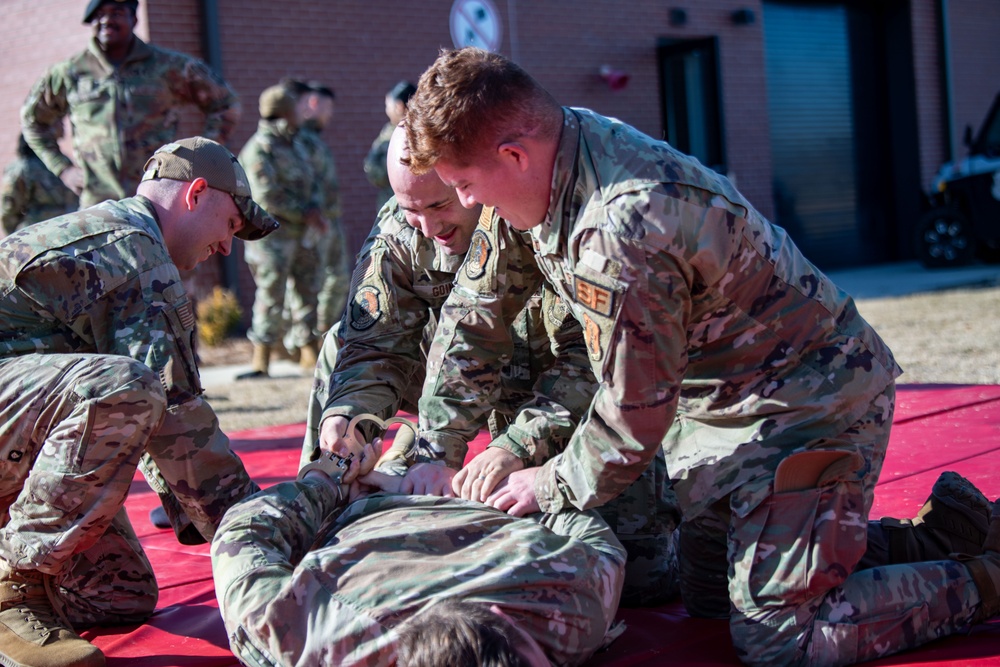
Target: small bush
<point x="218" y="316"/>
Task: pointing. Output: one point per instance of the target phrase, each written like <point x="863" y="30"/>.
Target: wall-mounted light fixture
<point x="677" y="16"/>
<point x="742" y="16"/>
<point x="615" y="78"/>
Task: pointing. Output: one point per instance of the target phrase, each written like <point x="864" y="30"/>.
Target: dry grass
<point x="937" y="337"/>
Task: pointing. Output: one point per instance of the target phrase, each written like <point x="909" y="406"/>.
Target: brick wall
<point x="361" y="48"/>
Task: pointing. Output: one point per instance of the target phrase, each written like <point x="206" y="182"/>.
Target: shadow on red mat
<point x="937" y="428"/>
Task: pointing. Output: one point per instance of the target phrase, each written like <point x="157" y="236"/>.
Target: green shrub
<point x="218" y="316"/>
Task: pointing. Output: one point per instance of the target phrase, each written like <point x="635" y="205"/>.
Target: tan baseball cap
<point x="188" y="159"/>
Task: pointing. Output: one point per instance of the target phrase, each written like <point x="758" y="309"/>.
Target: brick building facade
<point x="941" y="56"/>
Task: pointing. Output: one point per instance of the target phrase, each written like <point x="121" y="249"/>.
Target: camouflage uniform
<point x="31" y="193"/>
<point x="374" y="361"/>
<point x="301" y="582"/>
<point x="375" y="164"/>
<point x="120" y="115"/>
<point x="501" y="261"/>
<point x="284" y="184"/>
<point x="714" y="339"/>
<point x="98" y="376"/>
<point x="334" y="276"/>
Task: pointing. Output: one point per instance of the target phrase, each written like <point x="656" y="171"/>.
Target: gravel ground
<point x="937" y="337"/>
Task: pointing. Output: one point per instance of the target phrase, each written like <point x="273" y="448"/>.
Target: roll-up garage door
<point x="808" y="60"/>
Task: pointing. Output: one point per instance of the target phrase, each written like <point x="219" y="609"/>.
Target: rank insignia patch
<point x="486" y="218"/>
<point x="365" y="308"/>
<point x="596" y="298"/>
<point x="592" y="336"/>
<point x="479" y="254"/>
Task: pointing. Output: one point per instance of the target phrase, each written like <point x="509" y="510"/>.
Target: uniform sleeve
<point x="275" y="613"/>
<point x="201" y="86"/>
<point x="15" y="192"/>
<point x="375" y="161"/>
<point x="149" y="317"/>
<point x="379" y="361"/>
<point x="562" y="392"/>
<point x="46" y="106"/>
<point x="473" y="343"/>
<point x="639" y="355"/>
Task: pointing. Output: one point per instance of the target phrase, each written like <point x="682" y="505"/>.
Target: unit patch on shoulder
<point x="593" y="296"/>
<point x="479" y="254"/>
<point x="592" y="336"/>
<point x="365" y="308"/>
<point x="486" y="218"/>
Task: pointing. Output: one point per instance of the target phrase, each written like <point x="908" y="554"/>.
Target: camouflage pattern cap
<point x="94" y="5"/>
<point x="277" y="101"/>
<point x="188" y="159"/>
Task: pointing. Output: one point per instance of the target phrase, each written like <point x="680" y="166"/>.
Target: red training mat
<point x="937" y="428"/>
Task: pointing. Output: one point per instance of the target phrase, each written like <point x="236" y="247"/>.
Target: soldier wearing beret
<point x="715" y="342"/>
<point x="98" y="377"/>
<point x="123" y="98"/>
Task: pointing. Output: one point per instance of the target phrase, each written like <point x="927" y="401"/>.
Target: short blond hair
<point x="471" y="99"/>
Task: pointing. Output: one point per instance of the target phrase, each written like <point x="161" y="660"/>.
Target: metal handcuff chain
<point x="334" y="466"/>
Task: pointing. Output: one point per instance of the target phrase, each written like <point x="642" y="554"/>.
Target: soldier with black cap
<point x="122" y="97"/>
<point x="98" y="377"/>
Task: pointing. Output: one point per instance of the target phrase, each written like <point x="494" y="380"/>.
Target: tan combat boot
<point x="954" y="520"/>
<point x="259" y="364"/>
<point x="308" y="356"/>
<point x="31" y="633"/>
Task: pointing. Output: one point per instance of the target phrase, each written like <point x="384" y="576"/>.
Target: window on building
<point x="692" y="117"/>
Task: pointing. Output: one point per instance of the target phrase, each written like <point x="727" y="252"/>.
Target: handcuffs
<point x="334" y="466"/>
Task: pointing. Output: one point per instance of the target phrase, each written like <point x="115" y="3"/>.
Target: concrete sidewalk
<point x="905" y="278"/>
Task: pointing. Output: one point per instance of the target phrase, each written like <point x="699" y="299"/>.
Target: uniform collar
<point x="140" y="50"/>
<point x="559" y="220"/>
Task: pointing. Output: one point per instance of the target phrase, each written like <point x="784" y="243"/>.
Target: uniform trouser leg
<point x="644" y="518"/>
<point x="72" y="429"/>
<point x="798" y="597"/>
<point x="270" y="264"/>
<point x="302" y="297"/>
<point x="112" y="582"/>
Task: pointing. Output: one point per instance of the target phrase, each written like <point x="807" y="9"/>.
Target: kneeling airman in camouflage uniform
<point x="716" y="343"/>
<point x="98" y="377"/>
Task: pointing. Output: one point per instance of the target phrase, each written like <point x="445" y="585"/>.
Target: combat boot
<point x="259" y="364"/>
<point x="31" y="633"/>
<point x="954" y="520"/>
<point x="985" y="570"/>
<point x="308" y="356"/>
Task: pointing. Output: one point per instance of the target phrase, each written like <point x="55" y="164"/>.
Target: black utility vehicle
<point x="963" y="220"/>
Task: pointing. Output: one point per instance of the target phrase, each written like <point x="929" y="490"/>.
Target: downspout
<point x="944" y="58"/>
<point x="211" y="46"/>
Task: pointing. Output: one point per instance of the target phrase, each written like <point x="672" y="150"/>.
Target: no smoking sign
<point x="475" y="23"/>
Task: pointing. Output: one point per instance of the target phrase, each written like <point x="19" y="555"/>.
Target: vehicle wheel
<point x="944" y="238"/>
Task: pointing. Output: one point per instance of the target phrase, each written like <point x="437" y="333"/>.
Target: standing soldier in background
<point x="31" y="193"/>
<point x="283" y="181"/>
<point x="122" y="97"/>
<point x="375" y="162"/>
<point x="315" y="109"/>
